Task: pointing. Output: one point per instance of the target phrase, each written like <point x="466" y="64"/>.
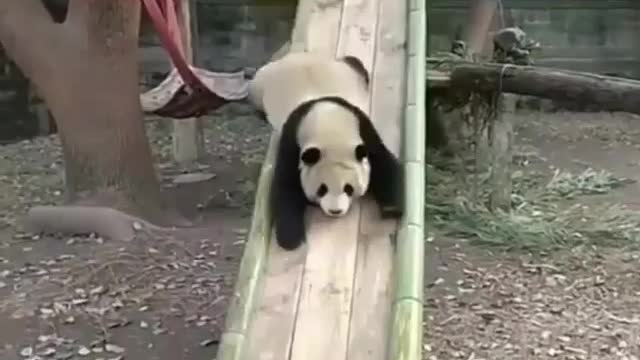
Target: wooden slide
<point x="354" y="290"/>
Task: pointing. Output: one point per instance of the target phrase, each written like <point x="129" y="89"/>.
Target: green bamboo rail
<point x="241" y="307"/>
<point x="405" y="342"/>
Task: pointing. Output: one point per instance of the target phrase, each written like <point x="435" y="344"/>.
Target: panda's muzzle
<point x="335" y="212"/>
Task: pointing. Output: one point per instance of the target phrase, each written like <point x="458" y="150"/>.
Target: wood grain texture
<point x="323" y="19"/>
<point x="372" y="293"/>
<point x="332" y="298"/>
<point x="358" y="28"/>
<point x="271" y="329"/>
<point x="322" y="325"/>
<point x="271" y="332"/>
<point x="388" y="85"/>
<point x="362" y="28"/>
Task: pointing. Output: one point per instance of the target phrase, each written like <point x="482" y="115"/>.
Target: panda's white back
<point x="280" y="86"/>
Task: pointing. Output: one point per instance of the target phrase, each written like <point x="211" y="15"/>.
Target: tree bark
<point x="479" y="16"/>
<point x="606" y="93"/>
<point x="86" y="70"/>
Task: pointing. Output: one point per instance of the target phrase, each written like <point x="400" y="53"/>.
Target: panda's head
<point x="332" y="180"/>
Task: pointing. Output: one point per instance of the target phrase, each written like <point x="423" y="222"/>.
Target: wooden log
<point x="605" y="92"/>
<point x="188" y="140"/>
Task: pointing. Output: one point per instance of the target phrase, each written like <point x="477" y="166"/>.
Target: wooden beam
<point x="607" y="93"/>
<point x="188" y="142"/>
<point x="544" y="4"/>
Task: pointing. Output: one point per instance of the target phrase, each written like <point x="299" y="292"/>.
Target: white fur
<point x="335" y="131"/>
<point x="280" y="86"/>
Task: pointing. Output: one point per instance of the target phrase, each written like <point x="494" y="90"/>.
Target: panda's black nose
<point x="335" y="212"/>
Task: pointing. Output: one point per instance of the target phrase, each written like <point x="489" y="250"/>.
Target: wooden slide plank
<point x="272" y="328"/>
<point x="324" y="24"/>
<point x="271" y="332"/>
<point x="358" y="30"/>
<point x="371" y="300"/>
<point x="322" y="324"/>
<point x="373" y="289"/>
<point x="337" y="304"/>
<point x="389" y="73"/>
<point x="372" y="292"/>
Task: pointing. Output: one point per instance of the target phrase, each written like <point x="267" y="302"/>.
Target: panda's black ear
<point x="310" y="156"/>
<point x="361" y="152"/>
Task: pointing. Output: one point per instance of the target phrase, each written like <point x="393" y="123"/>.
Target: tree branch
<point x="28" y="33"/>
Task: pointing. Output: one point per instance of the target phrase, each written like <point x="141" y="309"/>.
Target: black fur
<point x="357" y="66"/>
<point x="360" y="152"/>
<point x="311" y="156"/>
<point x="288" y="201"/>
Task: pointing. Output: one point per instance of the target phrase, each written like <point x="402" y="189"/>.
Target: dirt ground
<point x="150" y="300"/>
<point x="580" y="303"/>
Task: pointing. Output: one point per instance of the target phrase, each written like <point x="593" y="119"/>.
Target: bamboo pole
<point x="407" y="331"/>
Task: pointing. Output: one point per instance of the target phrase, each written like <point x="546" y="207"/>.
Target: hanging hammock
<point x="187" y="91"/>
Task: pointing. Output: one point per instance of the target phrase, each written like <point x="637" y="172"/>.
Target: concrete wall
<point x="229" y="37"/>
<point x="587" y="35"/>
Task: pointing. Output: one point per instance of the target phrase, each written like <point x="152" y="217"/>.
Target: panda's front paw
<point x="391" y="212"/>
<point x="290" y="236"/>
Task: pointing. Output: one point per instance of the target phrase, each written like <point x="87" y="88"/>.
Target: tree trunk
<point x="93" y="95"/>
<point x="479" y="16"/>
<point x="606" y="93"/>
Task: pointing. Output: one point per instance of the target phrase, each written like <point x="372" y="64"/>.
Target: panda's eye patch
<point x="348" y="189"/>
<point x="310" y="156"/>
<point x="322" y="190"/>
<point x="361" y="152"/>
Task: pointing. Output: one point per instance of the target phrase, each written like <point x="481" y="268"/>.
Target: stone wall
<point x="229" y="37"/>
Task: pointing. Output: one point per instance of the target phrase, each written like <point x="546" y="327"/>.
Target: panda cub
<point x="329" y="151"/>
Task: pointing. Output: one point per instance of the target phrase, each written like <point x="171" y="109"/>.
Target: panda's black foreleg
<point x="387" y="184"/>
<point x="386" y="181"/>
<point x="288" y="202"/>
<point x="288" y="212"/>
